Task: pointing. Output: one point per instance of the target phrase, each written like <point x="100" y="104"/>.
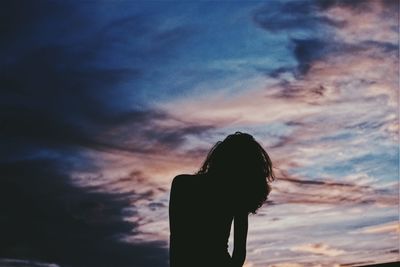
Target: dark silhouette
<point x="233" y="182"/>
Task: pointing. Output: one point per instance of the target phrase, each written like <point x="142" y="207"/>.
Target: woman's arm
<point x="174" y="220"/>
<point x="239" y="239"/>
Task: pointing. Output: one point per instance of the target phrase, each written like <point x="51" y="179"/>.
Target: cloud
<point x="355" y="13"/>
<point x="392" y="227"/>
<point x="319" y="248"/>
<point x="83" y="103"/>
<point x="49" y="219"/>
<point x="301" y="191"/>
<point x="68" y="107"/>
<point x="329" y="28"/>
<point x="25" y="263"/>
<point x="21" y="31"/>
<point x="287" y="264"/>
<point x="307" y="51"/>
<point x="278" y="16"/>
<point x="324" y="109"/>
<point x="58" y="95"/>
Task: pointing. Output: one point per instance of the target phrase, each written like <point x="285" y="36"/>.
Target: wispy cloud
<point x="392" y="227"/>
<point x="319" y="248"/>
<point x="101" y="107"/>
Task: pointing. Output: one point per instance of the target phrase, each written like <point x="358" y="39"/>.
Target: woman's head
<point x="243" y="167"/>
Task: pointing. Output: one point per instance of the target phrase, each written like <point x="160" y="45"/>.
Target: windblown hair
<point x="244" y="169"/>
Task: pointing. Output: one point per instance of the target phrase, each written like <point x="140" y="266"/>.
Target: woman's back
<point x="200" y="222"/>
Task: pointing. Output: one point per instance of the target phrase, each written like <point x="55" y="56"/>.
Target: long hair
<point x="243" y="167"/>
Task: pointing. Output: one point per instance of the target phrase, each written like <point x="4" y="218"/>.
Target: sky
<point x="104" y="102"/>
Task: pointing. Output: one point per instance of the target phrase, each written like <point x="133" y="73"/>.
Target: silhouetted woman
<point x="233" y="182"/>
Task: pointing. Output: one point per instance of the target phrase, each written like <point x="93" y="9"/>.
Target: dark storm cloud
<point x="44" y="217"/>
<point x="53" y="108"/>
<point x="61" y="94"/>
<point x="19" y="21"/>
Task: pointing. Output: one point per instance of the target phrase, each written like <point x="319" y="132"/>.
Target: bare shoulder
<point x="182" y="180"/>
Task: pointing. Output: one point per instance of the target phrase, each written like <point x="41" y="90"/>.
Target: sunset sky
<point x="104" y="102"/>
